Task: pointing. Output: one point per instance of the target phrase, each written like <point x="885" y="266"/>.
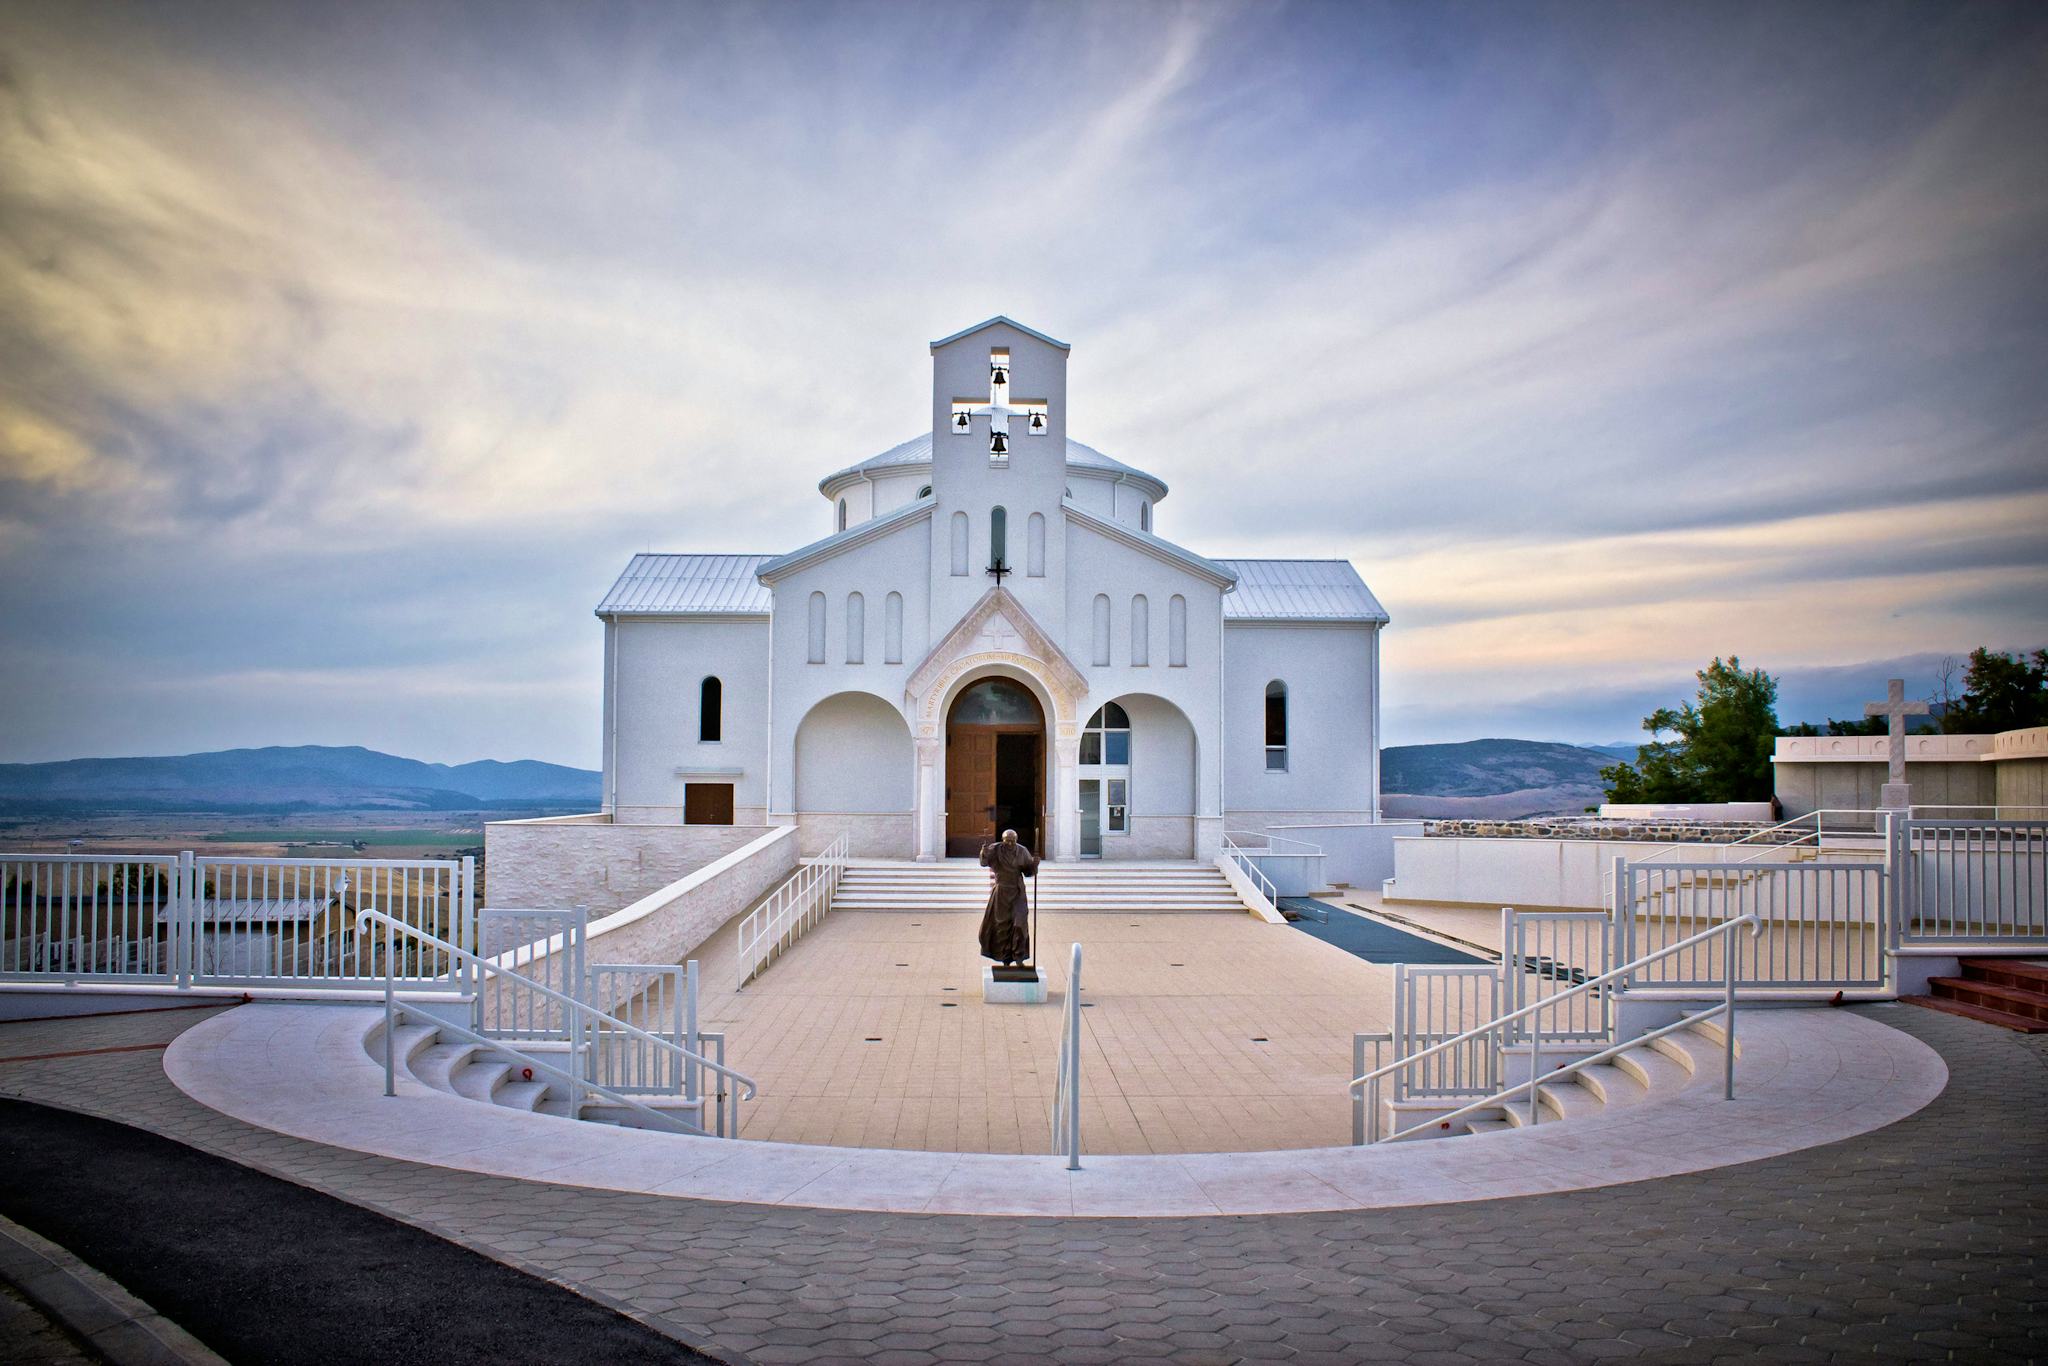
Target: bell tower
<point x="999" y="456"/>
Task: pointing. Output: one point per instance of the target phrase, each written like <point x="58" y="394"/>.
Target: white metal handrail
<point x="1817" y="817"/>
<point x="1066" y="1087"/>
<point x="788" y="911"/>
<point x="588" y="1016"/>
<point x="1493" y="1027"/>
<point x="1243" y="858"/>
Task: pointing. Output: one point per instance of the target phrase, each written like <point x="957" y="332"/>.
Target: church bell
<point x="998" y="444"/>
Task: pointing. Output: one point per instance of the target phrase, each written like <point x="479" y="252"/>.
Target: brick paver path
<point x="1922" y="1241"/>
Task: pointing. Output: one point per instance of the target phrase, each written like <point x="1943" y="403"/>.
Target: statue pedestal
<point x="1896" y="797"/>
<point x="1026" y="992"/>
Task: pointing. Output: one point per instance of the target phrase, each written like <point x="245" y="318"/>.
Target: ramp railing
<point x="1066" y="1087"/>
<point x="780" y="920"/>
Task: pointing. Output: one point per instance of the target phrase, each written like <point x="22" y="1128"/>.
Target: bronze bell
<point x="998" y="444"/>
<point x="999" y="375"/>
<point x="1038" y="422"/>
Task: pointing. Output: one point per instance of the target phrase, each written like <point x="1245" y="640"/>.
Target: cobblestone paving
<point x="1923" y="1241"/>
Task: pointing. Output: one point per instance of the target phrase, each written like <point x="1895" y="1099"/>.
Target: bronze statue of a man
<point x="1006" y="925"/>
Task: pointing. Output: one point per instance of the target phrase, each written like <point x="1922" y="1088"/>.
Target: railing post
<point x="184" y="902"/>
<point x="691" y="1085"/>
<point x="1074" y="1062"/>
<point x="1728" y="1009"/>
<point x="466" y="937"/>
<point x="1358" y="1092"/>
<point x="390" y="1014"/>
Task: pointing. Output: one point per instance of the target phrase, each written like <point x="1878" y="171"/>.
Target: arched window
<point x="856" y="629"/>
<point x="1108" y="737"/>
<point x="1141" y="632"/>
<point x="892" y="629"/>
<point x="1276" y="727"/>
<point x="925" y="492"/>
<point x="817" y="624"/>
<point x="710" y="711"/>
<point x="998" y="538"/>
<point x="1144" y="515"/>
<point x="1102" y="628"/>
<point x="1034" y="545"/>
<point x="842" y="514"/>
<point x="959" y="545"/>
<point x="1177" y="631"/>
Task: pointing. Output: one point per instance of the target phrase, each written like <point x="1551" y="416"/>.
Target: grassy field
<point x="391" y="838"/>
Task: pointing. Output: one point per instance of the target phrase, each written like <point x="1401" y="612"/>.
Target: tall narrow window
<point x="710" y="711"/>
<point x="959" y="545"/>
<point x="1102" y="628"/>
<point x="1141" y="631"/>
<point x="842" y="514"/>
<point x="1177" y="631"/>
<point x="892" y="629"/>
<point x="1034" y="545"/>
<point x="998" y="538"/>
<point x="856" y="629"/>
<point x="1144" y="515"/>
<point x="817" y="624"/>
<point x="1276" y="727"/>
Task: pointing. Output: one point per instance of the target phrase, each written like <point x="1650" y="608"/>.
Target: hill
<point x="1498" y="778"/>
<point x="291" y="778"/>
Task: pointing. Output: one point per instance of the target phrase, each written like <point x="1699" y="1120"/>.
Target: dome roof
<point x="918" y="451"/>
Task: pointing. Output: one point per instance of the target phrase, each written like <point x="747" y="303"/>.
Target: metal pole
<point x="690" y="1039"/>
<point x="1074" y="1062"/>
<point x="1728" y="1009"/>
<point x="1358" y="1092"/>
<point x="390" y="1018"/>
<point x="1535" y="1061"/>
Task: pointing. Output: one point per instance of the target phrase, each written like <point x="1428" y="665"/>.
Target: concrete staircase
<point x="495" y="1076"/>
<point x="962" y="886"/>
<point x="2010" y="992"/>
<point x="1647" y="1073"/>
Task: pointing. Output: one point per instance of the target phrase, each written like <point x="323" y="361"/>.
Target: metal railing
<point x="1066" y="1087"/>
<point x="1432" y="1004"/>
<point x="1972" y="881"/>
<point x="583" y="1023"/>
<point x="1247" y="864"/>
<point x="547" y="947"/>
<point x="1545" y="954"/>
<point x="1820" y="925"/>
<point x="1370" y="1083"/>
<point x="789" y="910"/>
<point x="188" y="920"/>
<point x="1816" y="819"/>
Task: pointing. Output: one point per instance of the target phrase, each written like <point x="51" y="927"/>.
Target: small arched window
<point x="1141" y="632"/>
<point x="1144" y="515"/>
<point x="710" y="711"/>
<point x="817" y="625"/>
<point x="1177" y="631"/>
<point x="998" y="538"/>
<point x="1101" y="629"/>
<point x="842" y="514"/>
<point x="1108" y="737"/>
<point x="856" y="629"/>
<point x="1034" y="545"/>
<point x="925" y="492"/>
<point x="892" y="629"/>
<point x="1276" y="727"/>
<point x="959" y="545"/>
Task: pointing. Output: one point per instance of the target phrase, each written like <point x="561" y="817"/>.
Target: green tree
<point x="2000" y="692"/>
<point x="1722" y="749"/>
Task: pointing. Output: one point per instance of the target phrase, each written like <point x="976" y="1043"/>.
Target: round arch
<point x="1160" y="781"/>
<point x="854" y="756"/>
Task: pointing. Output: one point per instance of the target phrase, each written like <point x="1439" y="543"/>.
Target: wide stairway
<point x="1651" y="1071"/>
<point x="962" y="886"/>
<point x="2012" y="992"/>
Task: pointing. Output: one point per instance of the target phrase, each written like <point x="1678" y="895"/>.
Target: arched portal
<point x="995" y="766"/>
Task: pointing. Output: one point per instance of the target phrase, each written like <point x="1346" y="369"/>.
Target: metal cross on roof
<point x="1898" y="709"/>
<point x="999" y="409"/>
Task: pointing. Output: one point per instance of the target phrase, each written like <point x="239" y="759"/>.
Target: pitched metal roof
<point x="722" y="585"/>
<point x="918" y="451"/>
<point x="1299" y="590"/>
<point x="1008" y="321"/>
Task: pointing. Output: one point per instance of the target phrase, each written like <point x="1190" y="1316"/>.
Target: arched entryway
<point x="995" y="766"/>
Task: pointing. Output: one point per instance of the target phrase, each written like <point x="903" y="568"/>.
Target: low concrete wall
<point x="1759" y="812"/>
<point x="1531" y="874"/>
<point x="1293" y="874"/>
<point x="1357" y="853"/>
<point x="2021" y="759"/>
<point x="563" y="861"/>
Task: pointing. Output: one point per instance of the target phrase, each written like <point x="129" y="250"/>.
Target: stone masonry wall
<point x="1656" y="832"/>
<point x="556" y="864"/>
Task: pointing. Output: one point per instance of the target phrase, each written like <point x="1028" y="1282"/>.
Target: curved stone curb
<point x="93" y="1308"/>
<point x="1807" y="1077"/>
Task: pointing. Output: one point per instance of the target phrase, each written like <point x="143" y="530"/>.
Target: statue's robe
<point x="1006" y="924"/>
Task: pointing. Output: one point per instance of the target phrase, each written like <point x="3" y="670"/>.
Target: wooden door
<point x="970" y="784"/>
<point x="707" y="803"/>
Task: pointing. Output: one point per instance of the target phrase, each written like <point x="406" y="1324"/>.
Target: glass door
<point x="1091" y="818"/>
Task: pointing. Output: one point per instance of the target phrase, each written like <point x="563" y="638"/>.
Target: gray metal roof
<point x="712" y="584"/>
<point x="918" y="451"/>
<point x="1299" y="590"/>
<point x="1007" y="320"/>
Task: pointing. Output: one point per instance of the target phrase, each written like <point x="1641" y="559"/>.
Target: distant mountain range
<point x="292" y="778"/>
<point x="1499" y="779"/>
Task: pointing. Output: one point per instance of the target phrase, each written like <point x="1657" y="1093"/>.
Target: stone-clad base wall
<point x="869" y="834"/>
<point x="1152" y="837"/>
<point x="560" y="862"/>
<point x="1662" y="832"/>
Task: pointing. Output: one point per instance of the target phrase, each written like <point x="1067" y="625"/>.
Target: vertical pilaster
<point x="1066" y="815"/>
<point x="931" y="813"/>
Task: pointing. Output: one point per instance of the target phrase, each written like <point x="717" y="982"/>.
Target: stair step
<point x="411" y="1039"/>
<point x="1699" y="1056"/>
<point x="479" y="1080"/>
<point x="2003" y="1018"/>
<point x="2024" y="973"/>
<point x="435" y="1064"/>
<point x="1656" y="1071"/>
<point x="520" y="1095"/>
<point x="1486" y="1126"/>
<point x="2018" y="1001"/>
<point x="1568" y="1099"/>
<point x="1611" y="1085"/>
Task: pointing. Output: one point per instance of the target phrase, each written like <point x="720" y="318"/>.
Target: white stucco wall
<point x="654" y="669"/>
<point x="853" y="753"/>
<point x="1328" y="671"/>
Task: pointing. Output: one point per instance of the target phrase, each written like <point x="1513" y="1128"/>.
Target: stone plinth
<point x="995" y="993"/>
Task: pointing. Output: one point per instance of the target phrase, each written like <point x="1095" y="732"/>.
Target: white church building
<point x="995" y="632"/>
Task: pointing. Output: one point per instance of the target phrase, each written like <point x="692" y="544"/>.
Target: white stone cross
<point x="1000" y="409"/>
<point x="1895" y="706"/>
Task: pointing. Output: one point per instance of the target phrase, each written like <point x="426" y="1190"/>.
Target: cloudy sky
<point x="347" y="351"/>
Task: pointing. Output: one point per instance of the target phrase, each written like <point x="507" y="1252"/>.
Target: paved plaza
<point x="1923" y="1240"/>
